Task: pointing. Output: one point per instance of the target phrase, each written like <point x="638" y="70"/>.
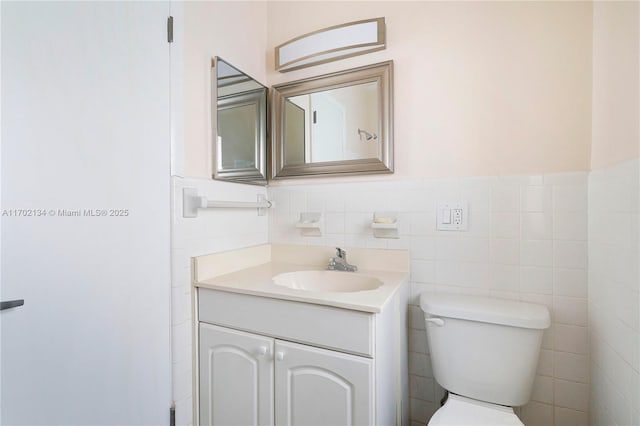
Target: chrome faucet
<point x="339" y="263"/>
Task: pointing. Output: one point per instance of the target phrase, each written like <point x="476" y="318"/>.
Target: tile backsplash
<point x="527" y="240"/>
<point x="532" y="238"/>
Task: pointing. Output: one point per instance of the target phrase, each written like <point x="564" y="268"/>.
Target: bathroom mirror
<point x="339" y="123"/>
<point x="239" y="120"/>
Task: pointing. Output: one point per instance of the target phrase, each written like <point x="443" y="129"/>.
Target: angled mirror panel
<point x="239" y="125"/>
<point x="339" y="123"/>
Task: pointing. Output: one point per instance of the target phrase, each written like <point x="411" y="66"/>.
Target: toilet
<point x="484" y="352"/>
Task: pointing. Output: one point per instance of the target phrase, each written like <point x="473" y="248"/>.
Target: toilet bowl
<point x="461" y="411"/>
<point x="484" y="351"/>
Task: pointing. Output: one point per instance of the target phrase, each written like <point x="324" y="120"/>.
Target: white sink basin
<point x="327" y="281"/>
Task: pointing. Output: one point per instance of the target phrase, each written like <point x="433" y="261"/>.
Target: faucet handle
<point x="341" y="253"/>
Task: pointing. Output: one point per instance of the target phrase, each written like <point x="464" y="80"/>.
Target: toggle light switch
<point x="446" y="216"/>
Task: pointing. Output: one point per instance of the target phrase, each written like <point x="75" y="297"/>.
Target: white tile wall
<point x="614" y="294"/>
<point x="527" y="240"/>
<point x="214" y="230"/>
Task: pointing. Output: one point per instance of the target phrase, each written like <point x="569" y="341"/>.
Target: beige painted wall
<point x="616" y="83"/>
<point x="481" y="88"/>
<point x="233" y="30"/>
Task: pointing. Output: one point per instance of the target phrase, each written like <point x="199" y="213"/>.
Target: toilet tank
<point x="484" y="348"/>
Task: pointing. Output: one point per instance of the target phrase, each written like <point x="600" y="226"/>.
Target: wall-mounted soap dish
<point x="310" y="224"/>
<point x="385" y="225"/>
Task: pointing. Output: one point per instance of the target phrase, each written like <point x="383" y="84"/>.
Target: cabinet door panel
<point x="236" y="377"/>
<point x="320" y="387"/>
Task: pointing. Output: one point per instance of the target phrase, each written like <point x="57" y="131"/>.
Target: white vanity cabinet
<point x="266" y="361"/>
<point x="319" y="387"/>
<point x="236" y="377"/>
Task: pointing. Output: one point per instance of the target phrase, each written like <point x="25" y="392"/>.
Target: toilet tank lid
<point x="485" y="309"/>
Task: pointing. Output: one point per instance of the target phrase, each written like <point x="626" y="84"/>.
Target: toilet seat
<point x="461" y="411"/>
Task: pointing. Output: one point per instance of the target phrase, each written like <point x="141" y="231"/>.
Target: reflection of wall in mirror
<point x="340" y="113"/>
<point x="294" y="131"/>
<point x="361" y="106"/>
<point x="237" y="130"/>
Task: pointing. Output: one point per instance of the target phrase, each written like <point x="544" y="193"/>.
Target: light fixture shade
<point x="330" y="44"/>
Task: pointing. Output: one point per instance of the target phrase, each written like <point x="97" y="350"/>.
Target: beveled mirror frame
<point x="257" y="99"/>
<point x="382" y="73"/>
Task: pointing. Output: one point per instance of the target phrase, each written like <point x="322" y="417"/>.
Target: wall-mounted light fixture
<point x="330" y="44"/>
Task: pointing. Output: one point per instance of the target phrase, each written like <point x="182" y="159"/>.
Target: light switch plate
<point x="452" y="216"/>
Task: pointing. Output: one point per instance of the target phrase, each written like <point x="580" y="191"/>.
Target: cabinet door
<point x="321" y="387"/>
<point x="236" y="377"/>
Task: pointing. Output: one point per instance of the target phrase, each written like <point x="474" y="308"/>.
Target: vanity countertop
<point x="251" y="271"/>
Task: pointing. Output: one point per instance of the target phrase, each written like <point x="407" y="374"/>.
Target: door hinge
<point x="170" y="29"/>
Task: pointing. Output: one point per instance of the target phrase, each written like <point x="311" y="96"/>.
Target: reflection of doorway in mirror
<point x="328" y="131"/>
<point x="303" y="103"/>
